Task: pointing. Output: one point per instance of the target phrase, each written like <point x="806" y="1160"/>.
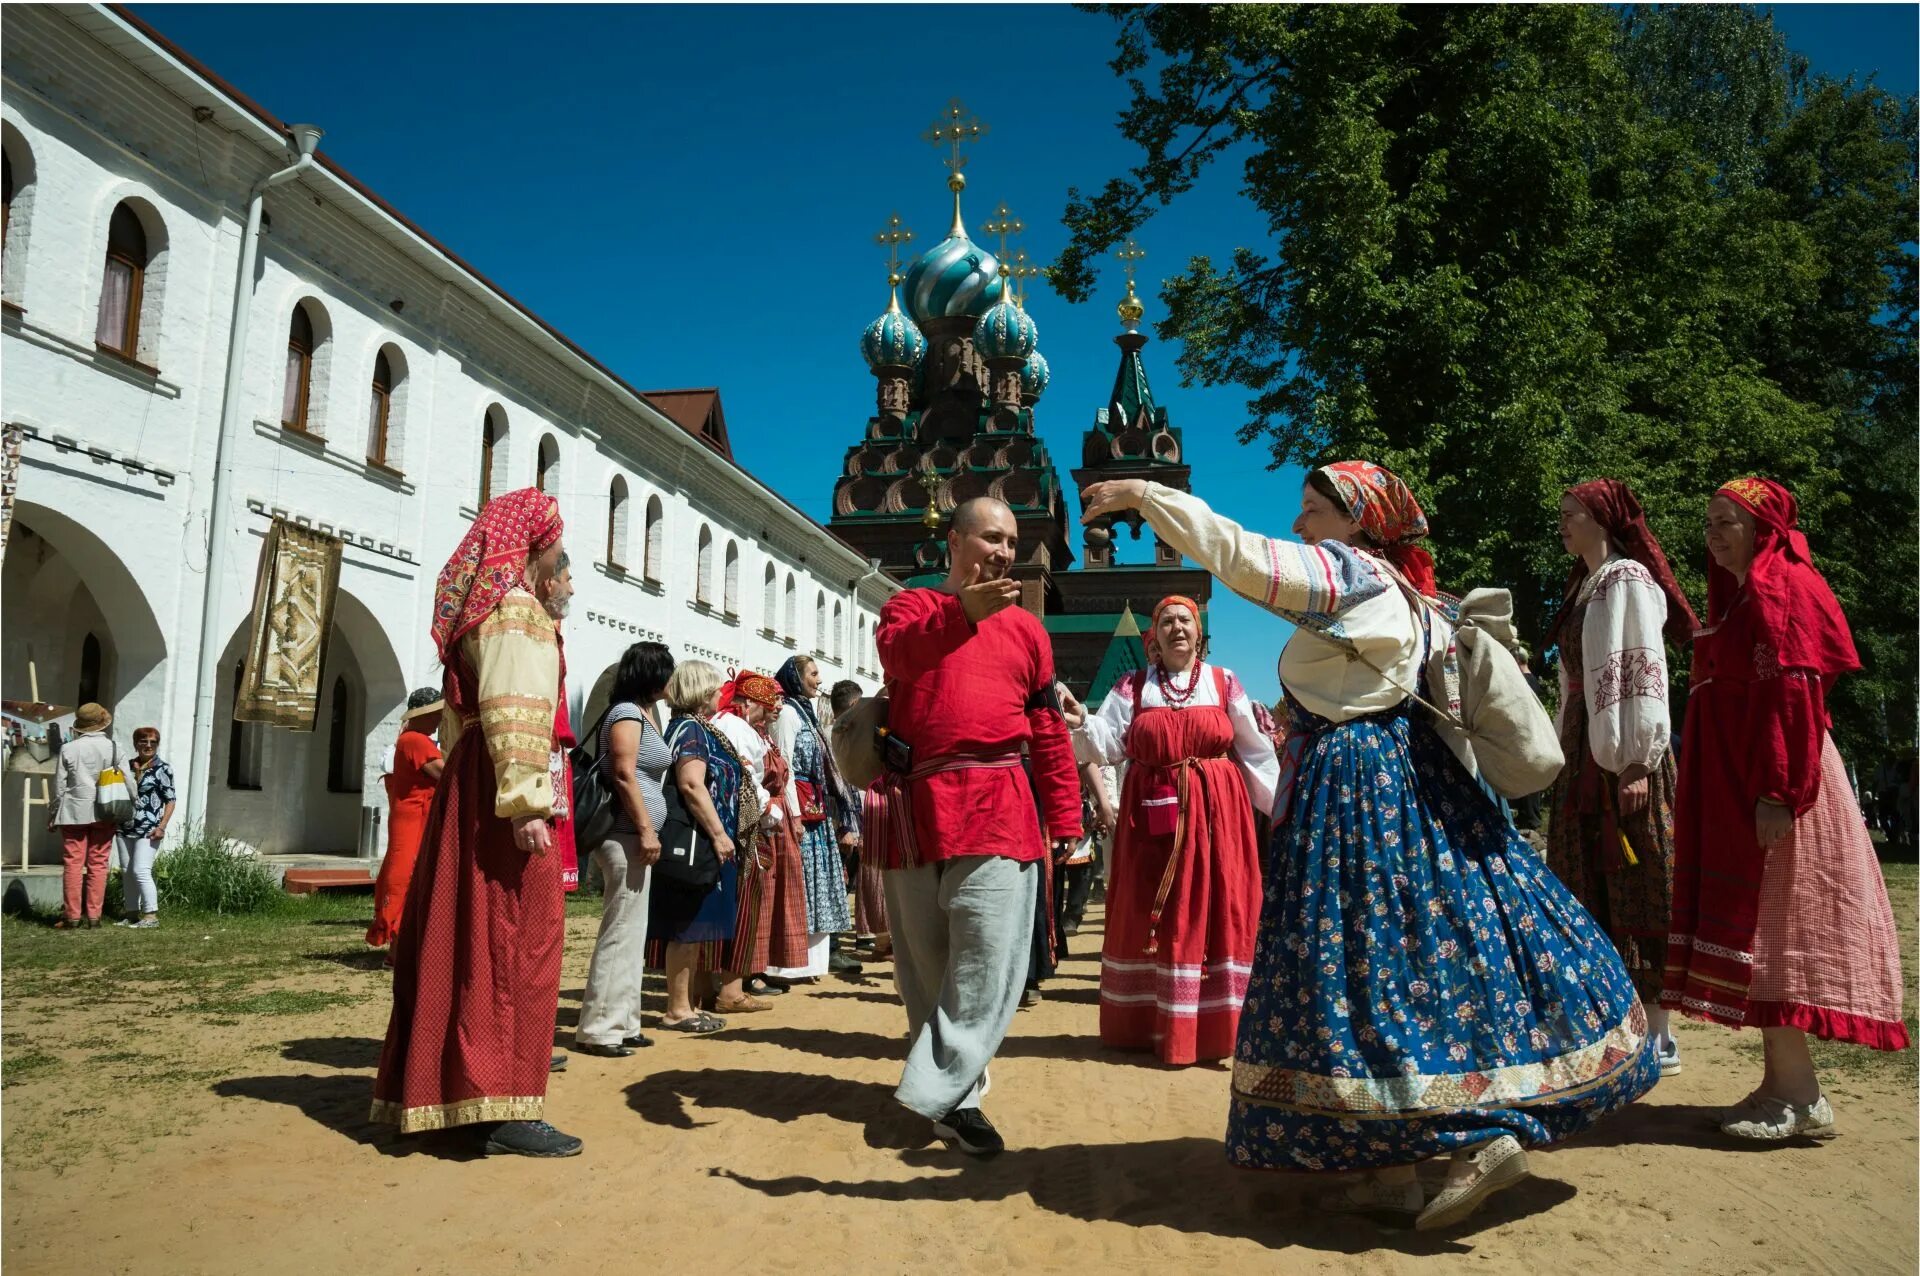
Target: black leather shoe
<point x="638" y="1041"/>
<point x="969" y="1130"/>
<point x="530" y="1138"/>
<point x="604" y="1052"/>
<point x="763" y="988"/>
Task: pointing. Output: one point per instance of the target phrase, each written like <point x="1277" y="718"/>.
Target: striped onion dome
<point x="893" y="340"/>
<point x="1034" y="377"/>
<point x="955" y="277"/>
<point x="1005" y="332"/>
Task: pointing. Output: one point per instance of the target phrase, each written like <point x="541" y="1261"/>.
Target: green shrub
<point x="201" y="875"/>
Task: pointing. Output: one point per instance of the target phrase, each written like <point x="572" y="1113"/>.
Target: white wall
<point x="116" y="475"/>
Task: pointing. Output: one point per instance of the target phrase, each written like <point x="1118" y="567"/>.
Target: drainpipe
<point x="305" y="139"/>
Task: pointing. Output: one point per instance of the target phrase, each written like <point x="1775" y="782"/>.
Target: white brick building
<point x="355" y="317"/>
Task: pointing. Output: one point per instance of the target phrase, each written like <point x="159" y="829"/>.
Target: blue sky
<point x="691" y="193"/>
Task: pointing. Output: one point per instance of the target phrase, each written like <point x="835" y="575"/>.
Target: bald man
<point x="971" y="679"/>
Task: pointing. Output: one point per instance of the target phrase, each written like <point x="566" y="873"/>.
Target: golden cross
<point x="891" y="238"/>
<point x="955" y="128"/>
<point x="1017" y="270"/>
<point x="1004" y="223"/>
<point x="1128" y="255"/>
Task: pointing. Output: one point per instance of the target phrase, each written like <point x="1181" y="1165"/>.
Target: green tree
<point x="1513" y="247"/>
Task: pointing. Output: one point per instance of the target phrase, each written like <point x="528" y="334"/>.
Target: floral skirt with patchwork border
<point x="1422" y="982"/>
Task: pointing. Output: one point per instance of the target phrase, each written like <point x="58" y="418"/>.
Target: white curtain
<point x="116" y="294"/>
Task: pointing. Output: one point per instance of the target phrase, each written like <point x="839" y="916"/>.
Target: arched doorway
<point x="313" y="792"/>
<point x="79" y="627"/>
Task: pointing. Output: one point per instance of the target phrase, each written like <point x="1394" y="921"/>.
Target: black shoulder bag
<point x="687" y="857"/>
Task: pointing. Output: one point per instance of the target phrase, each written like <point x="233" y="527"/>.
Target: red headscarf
<point x="491" y="560"/>
<point x="1386" y="510"/>
<point x="1617" y="510"/>
<point x="748" y="685"/>
<point x="1793" y="609"/>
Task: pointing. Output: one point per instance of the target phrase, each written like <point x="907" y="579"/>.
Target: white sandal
<point x="1370" y="1195"/>
<point x="1497" y="1165"/>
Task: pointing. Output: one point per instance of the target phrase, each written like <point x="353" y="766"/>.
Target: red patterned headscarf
<point x="748" y="685"/>
<point x="1386" y="510"/>
<point x="1617" y="510"/>
<point x="491" y="560"/>
<point x="1793" y="608"/>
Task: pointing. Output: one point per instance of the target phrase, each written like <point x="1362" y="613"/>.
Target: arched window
<point x="792" y="630"/>
<point x="730" y="586"/>
<point x="820" y="624"/>
<point x="6" y="197"/>
<point x="656" y="540"/>
<point x="343" y="767"/>
<point x="16" y="210"/>
<point x="380" y="408"/>
<point x="617" y="523"/>
<point x="703" y="567"/>
<point x="546" y="471"/>
<point x="298" y="393"/>
<point x="860" y="646"/>
<point x="118" y="324"/>
<point x="243" y="742"/>
<point x="89" y="670"/>
<point x="770" y="602"/>
<point x="839" y="634"/>
<point x="493" y="450"/>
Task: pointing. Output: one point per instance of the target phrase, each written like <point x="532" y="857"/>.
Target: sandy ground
<point x="778" y="1140"/>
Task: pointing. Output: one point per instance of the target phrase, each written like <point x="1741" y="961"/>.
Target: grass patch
<point x="281" y="1001"/>
<point x="24" y="1067"/>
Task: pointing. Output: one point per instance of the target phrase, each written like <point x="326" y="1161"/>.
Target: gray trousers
<point x="610" y="1007"/>
<point x="961" y="933"/>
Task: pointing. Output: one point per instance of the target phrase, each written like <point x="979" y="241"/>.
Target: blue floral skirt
<point x="1422" y="982"/>
<point x="827" y="910"/>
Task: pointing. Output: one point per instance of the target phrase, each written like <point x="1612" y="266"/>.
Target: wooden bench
<point x="305" y="881"/>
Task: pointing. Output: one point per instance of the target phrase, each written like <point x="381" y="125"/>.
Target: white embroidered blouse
<point x="1331" y="589"/>
<point x="1104" y="737"/>
<point x="1623" y="654"/>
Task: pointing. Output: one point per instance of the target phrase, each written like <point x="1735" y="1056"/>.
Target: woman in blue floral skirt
<point x="1422" y="985"/>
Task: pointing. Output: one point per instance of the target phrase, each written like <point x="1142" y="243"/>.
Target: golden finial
<point x="1016" y="271"/>
<point x="891" y="238"/>
<point x="1004" y="223"/>
<point x="955" y="128"/>
<point x="930" y="480"/>
<point x="1130" y="308"/>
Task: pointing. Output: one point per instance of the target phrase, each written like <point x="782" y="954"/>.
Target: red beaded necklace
<point x="1175" y="697"/>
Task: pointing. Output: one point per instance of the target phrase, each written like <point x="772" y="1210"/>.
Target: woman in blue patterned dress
<point x="814" y="790"/>
<point x="1422" y="985"/>
<point x="688" y="929"/>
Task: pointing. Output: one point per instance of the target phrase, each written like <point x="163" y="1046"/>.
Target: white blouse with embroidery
<point x="1623" y="653"/>
<point x="1329" y="589"/>
<point x="1104" y="737"/>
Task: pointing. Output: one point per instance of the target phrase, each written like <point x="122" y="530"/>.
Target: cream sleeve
<point x="516" y="655"/>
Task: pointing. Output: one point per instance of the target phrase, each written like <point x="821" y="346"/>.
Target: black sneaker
<point x="969" y="1130"/>
<point x="558" y="1063"/>
<point x="841" y="964"/>
<point x="530" y="1138"/>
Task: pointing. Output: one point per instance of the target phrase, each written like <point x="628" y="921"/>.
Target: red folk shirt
<point x="960" y="688"/>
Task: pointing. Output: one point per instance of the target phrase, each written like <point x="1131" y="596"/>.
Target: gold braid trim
<point x="441" y="1116"/>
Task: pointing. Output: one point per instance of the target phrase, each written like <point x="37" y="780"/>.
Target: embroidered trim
<point x="1635" y="673"/>
<point x="1547" y="1080"/>
<point x="441" y="1116"/>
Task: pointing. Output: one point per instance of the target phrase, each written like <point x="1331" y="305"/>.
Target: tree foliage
<point x="1512" y="247"/>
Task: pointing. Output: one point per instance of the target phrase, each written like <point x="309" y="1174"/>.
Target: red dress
<point x="409" y="798"/>
<point x="1177" y="988"/>
<point x="770" y="931"/>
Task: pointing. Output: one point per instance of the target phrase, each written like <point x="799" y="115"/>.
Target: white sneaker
<point x="1496" y="1166"/>
<point x="1769" y="1120"/>
<point x="1669" y="1057"/>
